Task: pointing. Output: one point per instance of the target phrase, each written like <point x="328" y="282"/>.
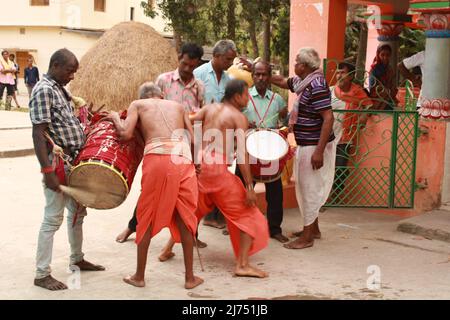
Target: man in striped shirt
<point x="312" y="123"/>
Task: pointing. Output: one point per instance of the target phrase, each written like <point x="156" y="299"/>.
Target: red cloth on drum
<point x="219" y="187"/>
<point x="167" y="188"/>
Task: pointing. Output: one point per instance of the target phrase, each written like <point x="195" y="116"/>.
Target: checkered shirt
<point x="51" y="103"/>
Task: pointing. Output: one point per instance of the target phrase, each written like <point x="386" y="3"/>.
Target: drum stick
<point x="198" y="253"/>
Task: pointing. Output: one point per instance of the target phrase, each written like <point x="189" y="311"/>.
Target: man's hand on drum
<point x="317" y="160"/>
<point x="113" y="115"/>
<point x="51" y="181"/>
<point x="252" y="125"/>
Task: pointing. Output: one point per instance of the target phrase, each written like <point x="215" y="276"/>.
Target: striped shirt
<point x="190" y="95"/>
<point x="315" y="99"/>
<point x="51" y="103"/>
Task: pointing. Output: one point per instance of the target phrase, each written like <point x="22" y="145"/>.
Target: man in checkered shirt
<point x="51" y="111"/>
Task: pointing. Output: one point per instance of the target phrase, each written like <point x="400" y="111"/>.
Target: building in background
<point x="40" y="27"/>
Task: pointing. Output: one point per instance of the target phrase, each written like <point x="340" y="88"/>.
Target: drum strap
<point x="262" y="120"/>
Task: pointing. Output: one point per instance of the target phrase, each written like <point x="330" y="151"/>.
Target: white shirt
<point x="337" y="104"/>
<point x="417" y="60"/>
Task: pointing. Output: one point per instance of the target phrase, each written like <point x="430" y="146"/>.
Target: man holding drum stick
<point x="51" y="113"/>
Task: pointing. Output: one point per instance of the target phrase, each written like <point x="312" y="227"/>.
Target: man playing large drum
<point x="264" y="110"/>
<point x="51" y="113"/>
<point x="169" y="183"/>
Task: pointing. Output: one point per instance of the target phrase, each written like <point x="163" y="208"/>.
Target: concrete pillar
<point x="436" y="79"/>
<point x="319" y="24"/>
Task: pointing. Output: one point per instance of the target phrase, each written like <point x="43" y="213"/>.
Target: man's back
<point x="159" y="118"/>
<point x="221" y="117"/>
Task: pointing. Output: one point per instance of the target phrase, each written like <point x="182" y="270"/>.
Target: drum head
<point x="266" y="145"/>
<point x="100" y="186"/>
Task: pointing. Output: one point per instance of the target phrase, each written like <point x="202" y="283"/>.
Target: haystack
<point x="121" y="60"/>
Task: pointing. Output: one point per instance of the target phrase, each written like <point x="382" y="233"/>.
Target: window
<point x="39" y="2"/>
<point x="131" y="14"/>
<point x="99" y="5"/>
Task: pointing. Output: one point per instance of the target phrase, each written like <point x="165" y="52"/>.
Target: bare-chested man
<point x="169" y="183"/>
<point x="247" y="226"/>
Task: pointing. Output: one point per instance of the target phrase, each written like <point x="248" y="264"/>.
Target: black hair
<point x="351" y="68"/>
<point x="193" y="51"/>
<point x="234" y="87"/>
<point x="268" y="65"/>
<point x="12" y="55"/>
<point x="62" y="57"/>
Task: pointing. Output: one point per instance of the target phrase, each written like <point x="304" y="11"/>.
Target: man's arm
<point x="280" y="81"/>
<point x="409" y="75"/>
<point x="199" y="116"/>
<point x="243" y="159"/>
<point x="125" y="128"/>
<point x="41" y="149"/>
<point x="327" y="127"/>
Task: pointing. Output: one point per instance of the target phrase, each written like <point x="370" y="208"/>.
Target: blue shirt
<point x="31" y="75"/>
<point x="214" y="91"/>
<point x="264" y="111"/>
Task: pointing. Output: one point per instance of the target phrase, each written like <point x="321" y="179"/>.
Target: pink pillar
<point x="318" y="24"/>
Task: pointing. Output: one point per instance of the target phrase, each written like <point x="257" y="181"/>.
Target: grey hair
<point x="223" y="46"/>
<point x="149" y="90"/>
<point x="309" y="57"/>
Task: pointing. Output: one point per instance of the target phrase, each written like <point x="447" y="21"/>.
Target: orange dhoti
<point x="168" y="187"/>
<point x="219" y="187"/>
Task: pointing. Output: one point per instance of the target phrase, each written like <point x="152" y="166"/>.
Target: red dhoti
<point x="168" y="187"/>
<point x="219" y="187"/>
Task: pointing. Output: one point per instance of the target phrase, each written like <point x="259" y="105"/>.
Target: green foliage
<point x="206" y="21"/>
<point x="411" y="42"/>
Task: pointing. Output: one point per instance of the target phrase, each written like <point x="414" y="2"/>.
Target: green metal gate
<point x="381" y="162"/>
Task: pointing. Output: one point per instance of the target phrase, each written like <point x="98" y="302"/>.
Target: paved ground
<point x="354" y="241"/>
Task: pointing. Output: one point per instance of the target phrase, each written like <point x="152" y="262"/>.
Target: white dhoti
<point x="312" y="187"/>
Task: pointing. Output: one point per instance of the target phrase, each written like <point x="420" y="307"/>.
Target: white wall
<point x="46" y="40"/>
<point x="78" y="14"/>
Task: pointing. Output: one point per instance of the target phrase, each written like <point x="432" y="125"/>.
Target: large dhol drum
<point x="104" y="170"/>
<point x="269" y="151"/>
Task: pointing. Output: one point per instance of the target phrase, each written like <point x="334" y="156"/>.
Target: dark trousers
<point x="274" y="198"/>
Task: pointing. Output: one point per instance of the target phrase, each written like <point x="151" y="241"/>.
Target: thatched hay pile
<point x="123" y="58"/>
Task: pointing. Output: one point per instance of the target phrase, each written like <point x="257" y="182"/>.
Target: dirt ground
<point x="357" y="247"/>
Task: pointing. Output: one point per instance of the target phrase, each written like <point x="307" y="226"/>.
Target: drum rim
<point x="270" y="130"/>
<point x="101" y="163"/>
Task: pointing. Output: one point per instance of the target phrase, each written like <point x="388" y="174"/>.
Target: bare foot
<point x="214" y="224"/>
<point x="281" y="238"/>
<point x="131" y="280"/>
<point x="50" y="283"/>
<point x="249" y="271"/>
<point x="300" y="243"/>
<point x="298" y="234"/>
<point x="191" y="284"/>
<point x="164" y="256"/>
<point x="121" y="238"/>
<point x="201" y="244"/>
<point x="87" y="266"/>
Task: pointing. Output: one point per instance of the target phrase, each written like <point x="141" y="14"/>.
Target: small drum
<point x="269" y="151"/>
<point x="105" y="168"/>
